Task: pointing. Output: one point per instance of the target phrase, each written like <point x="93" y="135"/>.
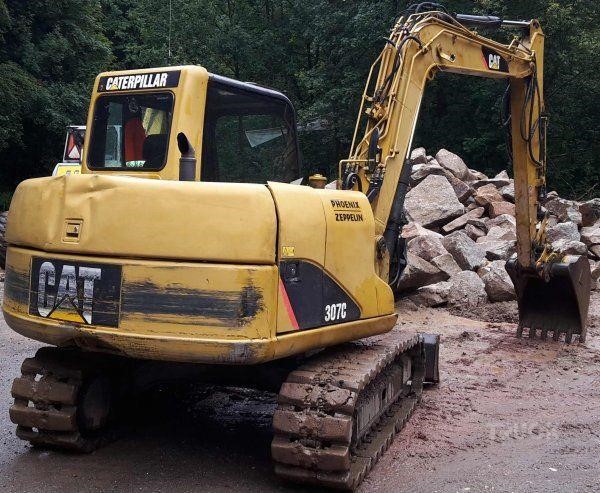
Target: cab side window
<point x="248" y="137"/>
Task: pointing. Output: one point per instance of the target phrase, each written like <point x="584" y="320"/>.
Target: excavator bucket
<point x="559" y="304"/>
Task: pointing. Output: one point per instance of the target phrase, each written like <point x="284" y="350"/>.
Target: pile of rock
<point x="462" y="230"/>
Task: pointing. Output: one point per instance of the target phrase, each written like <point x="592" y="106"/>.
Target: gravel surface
<point x="512" y="415"/>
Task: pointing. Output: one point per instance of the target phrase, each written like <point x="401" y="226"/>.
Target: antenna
<point x="170" y="19"/>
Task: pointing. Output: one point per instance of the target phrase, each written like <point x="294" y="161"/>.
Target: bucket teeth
<point x="556" y="334"/>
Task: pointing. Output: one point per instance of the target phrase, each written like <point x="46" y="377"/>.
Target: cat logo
<point x="494" y="62"/>
<point x="72" y="292"/>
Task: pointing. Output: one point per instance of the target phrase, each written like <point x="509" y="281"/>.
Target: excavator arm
<point x="552" y="289"/>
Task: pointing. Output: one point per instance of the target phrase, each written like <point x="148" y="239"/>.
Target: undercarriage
<point x="338" y="410"/>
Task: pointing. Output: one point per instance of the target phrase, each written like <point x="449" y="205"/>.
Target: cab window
<point x="131" y="131"/>
<point x="249" y="137"/>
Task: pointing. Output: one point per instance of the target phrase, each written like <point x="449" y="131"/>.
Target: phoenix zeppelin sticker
<point x="75" y="292"/>
<point x="347" y="211"/>
<point x="131" y="82"/>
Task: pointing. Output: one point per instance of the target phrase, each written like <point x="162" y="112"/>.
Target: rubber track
<point x="315" y="439"/>
<point x="46" y="394"/>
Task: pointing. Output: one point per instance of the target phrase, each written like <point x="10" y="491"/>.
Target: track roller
<point x="66" y="399"/>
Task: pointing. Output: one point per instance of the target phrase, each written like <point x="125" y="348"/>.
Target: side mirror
<point x="187" y="161"/>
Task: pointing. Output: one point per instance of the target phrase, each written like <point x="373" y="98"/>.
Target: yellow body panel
<point x="178" y="311"/>
<point x="134" y="217"/>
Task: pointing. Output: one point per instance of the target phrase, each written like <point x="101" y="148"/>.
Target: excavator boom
<point x="552" y="288"/>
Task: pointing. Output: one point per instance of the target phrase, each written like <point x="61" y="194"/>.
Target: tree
<point x="50" y="52"/>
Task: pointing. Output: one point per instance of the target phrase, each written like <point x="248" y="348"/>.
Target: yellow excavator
<point x="184" y="250"/>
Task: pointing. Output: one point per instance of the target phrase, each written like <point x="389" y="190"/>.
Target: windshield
<point x="248" y="137"/>
<point x="131" y="131"/>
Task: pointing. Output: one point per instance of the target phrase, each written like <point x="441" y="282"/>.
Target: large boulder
<point x="427" y="247"/>
<point x="412" y="230"/>
<point x="461" y="222"/>
<point x="500" y="208"/>
<point x="475" y="175"/>
<point x="594" y="251"/>
<point x="498" y="249"/>
<point x="590" y="212"/>
<point x="453" y="163"/>
<point x="446" y="264"/>
<point x="432" y="202"/>
<point x="422" y="171"/>
<point x="487" y="194"/>
<point x="595" y="268"/>
<point x="569" y="247"/>
<point x="498" y="285"/>
<point x="461" y="189"/>
<point x="418" y="155"/>
<point x="564" y="210"/>
<point x="432" y="295"/>
<point x="508" y="192"/>
<point x="505" y="221"/>
<point x="590" y="235"/>
<point x="468" y="254"/>
<point x="474" y="232"/>
<point x="563" y="231"/>
<point x="499" y="233"/>
<point x="466" y="289"/>
<point x="419" y="272"/>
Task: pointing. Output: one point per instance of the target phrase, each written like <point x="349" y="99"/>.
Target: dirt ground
<point x="511" y="415"/>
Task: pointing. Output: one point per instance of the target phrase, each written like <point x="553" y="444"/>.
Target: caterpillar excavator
<point x="184" y="250"/>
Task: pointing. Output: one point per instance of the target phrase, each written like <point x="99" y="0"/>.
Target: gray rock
<point x="495" y="233"/>
<point x="503" y="175"/>
<point x="590" y="212"/>
<point x="498" y="249"/>
<point x="568" y="247"/>
<point x="474" y="232"/>
<point x="461" y="221"/>
<point x="594" y="251"/>
<point x="432" y="295"/>
<point x="427" y="247"/>
<point x="453" y="163"/>
<point x="468" y="254"/>
<point x="461" y="189"/>
<point x="508" y="192"/>
<point x="496" y="183"/>
<point x="564" y="210"/>
<point x="487" y="194"/>
<point x="477" y="175"/>
<point x="595" y="269"/>
<point x="498" y="285"/>
<point x="432" y="202"/>
<point x="412" y="230"/>
<point x="505" y="221"/>
<point x="590" y="235"/>
<point x="480" y="223"/>
<point x="466" y="289"/>
<point x="500" y="208"/>
<point x="422" y="171"/>
<point x="419" y="272"/>
<point x="447" y="264"/>
<point x="563" y="231"/>
<point x="418" y="155"/>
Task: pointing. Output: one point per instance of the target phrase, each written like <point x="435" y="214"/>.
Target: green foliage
<point x="318" y="52"/>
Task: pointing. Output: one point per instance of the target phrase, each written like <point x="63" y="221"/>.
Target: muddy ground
<point x="512" y="415"/>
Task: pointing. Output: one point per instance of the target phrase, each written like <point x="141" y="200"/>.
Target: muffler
<point x="557" y="302"/>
